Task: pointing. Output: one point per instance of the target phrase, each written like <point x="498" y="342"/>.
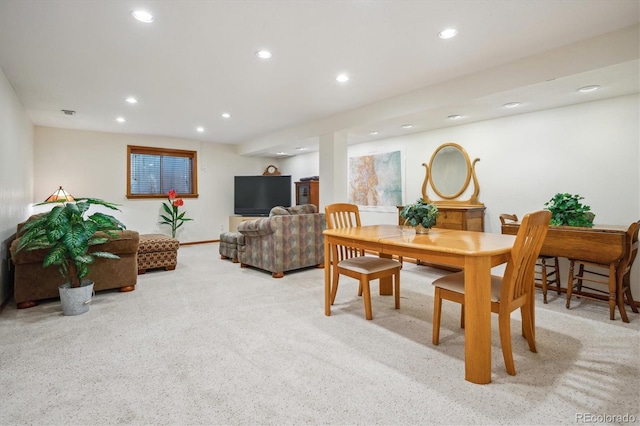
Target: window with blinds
<point x="152" y="172"/>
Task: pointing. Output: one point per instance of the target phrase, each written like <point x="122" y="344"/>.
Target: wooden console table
<point x="460" y="217"/>
<point x="604" y="244"/>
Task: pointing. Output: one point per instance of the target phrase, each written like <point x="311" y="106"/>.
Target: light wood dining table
<point x="474" y="252"/>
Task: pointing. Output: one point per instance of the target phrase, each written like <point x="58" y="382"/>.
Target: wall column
<point x="333" y="168"/>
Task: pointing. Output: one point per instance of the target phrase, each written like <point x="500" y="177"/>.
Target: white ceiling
<point x="197" y="61"/>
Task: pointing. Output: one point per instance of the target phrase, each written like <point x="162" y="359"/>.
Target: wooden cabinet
<point x="308" y="192"/>
<point x="463" y="218"/>
<point x="466" y="218"/>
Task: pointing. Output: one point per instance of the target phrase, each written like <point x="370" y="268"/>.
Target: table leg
<point x="386" y="283"/>
<point x="327" y="277"/>
<point x="612" y="292"/>
<point x="477" y="312"/>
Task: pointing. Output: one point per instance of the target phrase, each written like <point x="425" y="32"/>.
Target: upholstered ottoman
<point x="157" y="251"/>
<point x="229" y="245"/>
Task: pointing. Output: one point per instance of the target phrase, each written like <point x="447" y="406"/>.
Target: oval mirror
<point x="450" y="171"/>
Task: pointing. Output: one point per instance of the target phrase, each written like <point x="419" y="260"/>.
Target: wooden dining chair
<point x="595" y="278"/>
<point x="547" y="272"/>
<point x="512" y="291"/>
<point x="354" y="263"/>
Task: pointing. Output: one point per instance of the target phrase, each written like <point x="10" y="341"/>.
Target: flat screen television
<point x="257" y="195"/>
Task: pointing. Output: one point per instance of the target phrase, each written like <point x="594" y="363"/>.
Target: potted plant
<point x="421" y="215"/>
<point x="175" y="219"/>
<point x="567" y="210"/>
<point x="68" y="233"/>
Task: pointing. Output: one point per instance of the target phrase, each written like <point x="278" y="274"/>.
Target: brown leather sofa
<point x="32" y="282"/>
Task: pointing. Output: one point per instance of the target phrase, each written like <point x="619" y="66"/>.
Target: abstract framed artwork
<point x="375" y="180"/>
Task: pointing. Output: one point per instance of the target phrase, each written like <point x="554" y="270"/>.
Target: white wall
<point x="94" y="164"/>
<point x="16" y="169"/>
<point x="591" y="149"/>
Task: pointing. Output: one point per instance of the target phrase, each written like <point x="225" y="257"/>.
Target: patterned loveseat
<point x="290" y="238"/>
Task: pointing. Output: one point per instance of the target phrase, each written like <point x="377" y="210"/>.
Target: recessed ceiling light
<point x="448" y="33"/>
<point x="120" y="120"/>
<point x="281" y="153"/>
<point x="225" y="115"/>
<point x="300" y="148"/>
<point x="373" y="133"/>
<point x="131" y="100"/>
<point x="264" y="54"/>
<point x="142" y="16"/>
<point x="200" y="129"/>
<point x="512" y="104"/>
<point x="454" y="117"/>
<point x="342" y="78"/>
<point x="586" y="89"/>
<point x="407" y="126"/>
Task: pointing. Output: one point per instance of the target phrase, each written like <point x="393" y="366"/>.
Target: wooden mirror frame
<point x="451" y="199"/>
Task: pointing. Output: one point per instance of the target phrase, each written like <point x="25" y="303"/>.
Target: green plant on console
<point x="420" y="213"/>
<point x="567" y="210"/>
<point x="68" y="234"/>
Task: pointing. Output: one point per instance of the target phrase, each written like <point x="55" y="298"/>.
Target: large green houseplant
<point x="568" y="210"/>
<point x="420" y="214"/>
<point x="67" y="232"/>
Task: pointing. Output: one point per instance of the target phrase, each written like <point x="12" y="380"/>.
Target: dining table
<point x="474" y="252"/>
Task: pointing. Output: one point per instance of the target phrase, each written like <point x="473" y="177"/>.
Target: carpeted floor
<point x="212" y="343"/>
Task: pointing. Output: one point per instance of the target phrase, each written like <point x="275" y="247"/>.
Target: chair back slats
<point x="543" y="274"/>
<point x="343" y="215"/>
<point x="345" y="252"/>
<point x="518" y="276"/>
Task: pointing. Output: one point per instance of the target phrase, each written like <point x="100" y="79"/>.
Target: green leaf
<point x="167" y="208"/>
<point x="105" y="255"/>
<point x="98" y="240"/>
<point x="55" y="256"/>
<point x="85" y="258"/>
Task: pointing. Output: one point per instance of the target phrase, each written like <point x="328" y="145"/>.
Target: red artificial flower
<point x="173" y="217"/>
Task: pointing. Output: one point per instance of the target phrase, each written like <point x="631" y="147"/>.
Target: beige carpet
<point x="211" y="343"/>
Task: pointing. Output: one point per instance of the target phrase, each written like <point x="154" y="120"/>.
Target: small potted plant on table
<point x="421" y="215"/>
<point x="68" y="234"/>
<point x="567" y="210"/>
